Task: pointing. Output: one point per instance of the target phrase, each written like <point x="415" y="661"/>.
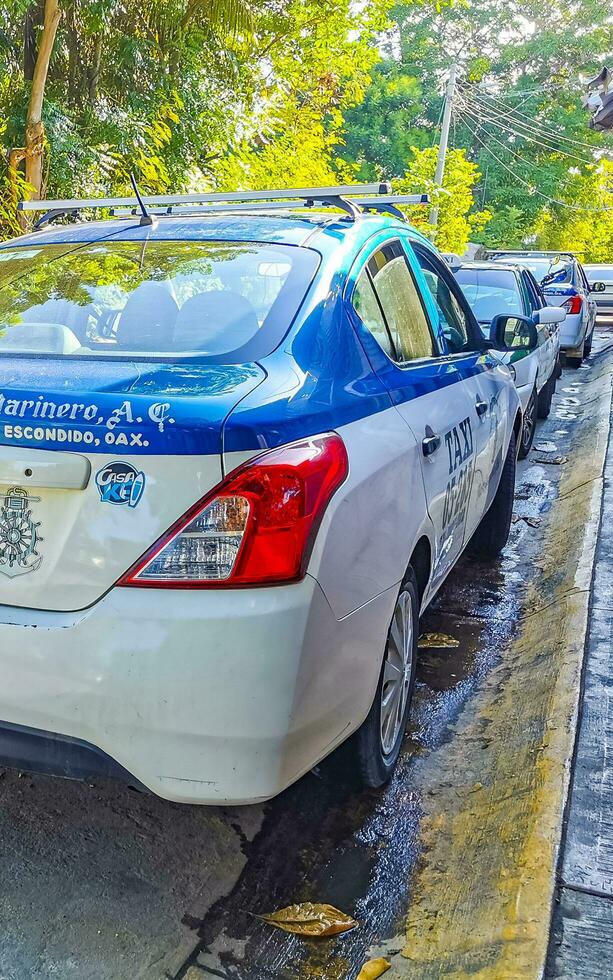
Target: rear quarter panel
<point x="320" y="381"/>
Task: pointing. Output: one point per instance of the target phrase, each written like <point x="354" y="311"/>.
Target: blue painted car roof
<point x="318" y="229"/>
<point x="301" y="388"/>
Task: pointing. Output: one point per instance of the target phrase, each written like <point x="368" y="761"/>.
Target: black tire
<point x="493" y="532"/>
<point x="587" y="347"/>
<point x="558" y="370"/>
<point x="574" y="362"/>
<point x="528" y="427"/>
<point x="374" y="765"/>
<point x="545" y="395"/>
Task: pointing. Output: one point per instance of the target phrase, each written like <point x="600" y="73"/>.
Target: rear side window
<point x="151" y="299"/>
<point x="367" y="307"/>
<point x="490" y="292"/>
<point x="400" y="303"/>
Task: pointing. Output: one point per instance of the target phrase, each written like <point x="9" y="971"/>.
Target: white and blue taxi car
<point x="240" y="450"/>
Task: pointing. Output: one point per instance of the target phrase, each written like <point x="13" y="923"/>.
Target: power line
<point x="483" y="113"/>
<point x="514" y="111"/>
<point x="527" y="131"/>
<point x="467" y="112"/>
<point x="531" y="121"/>
<point x="467" y="92"/>
<point x="532" y="189"/>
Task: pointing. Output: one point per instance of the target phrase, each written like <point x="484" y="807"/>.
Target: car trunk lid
<point x="97" y="459"/>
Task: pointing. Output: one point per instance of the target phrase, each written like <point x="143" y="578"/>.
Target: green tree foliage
<point x="519" y="65"/>
<point x="457" y="218"/>
<point x="587" y="226"/>
<point x="319" y="65"/>
<point x="189" y="93"/>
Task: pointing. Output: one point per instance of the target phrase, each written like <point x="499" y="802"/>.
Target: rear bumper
<point x="201" y="697"/>
<point x="57" y="755"/>
<point x="572" y="335"/>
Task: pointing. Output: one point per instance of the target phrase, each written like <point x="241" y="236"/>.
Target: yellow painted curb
<point x="481" y="900"/>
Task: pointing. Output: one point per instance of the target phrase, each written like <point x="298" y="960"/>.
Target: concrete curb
<point x="481" y="903"/>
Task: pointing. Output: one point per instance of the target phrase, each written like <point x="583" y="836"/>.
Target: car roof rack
<point x="538" y="253"/>
<point x="384" y="204"/>
<point x="353" y="199"/>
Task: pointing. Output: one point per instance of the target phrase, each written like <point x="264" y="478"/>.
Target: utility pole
<point x="442" y="149"/>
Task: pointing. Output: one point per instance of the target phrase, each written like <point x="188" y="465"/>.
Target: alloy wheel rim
<point x="528" y="422"/>
<point x="397" y="673"/>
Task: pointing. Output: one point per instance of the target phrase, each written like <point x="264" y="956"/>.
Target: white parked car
<point x="239" y="454"/>
<point x="492" y="287"/>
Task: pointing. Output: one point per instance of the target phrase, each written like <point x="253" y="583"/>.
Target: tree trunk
<point x="73" y="52"/>
<point x="15" y="158"/>
<point x="35" y="131"/>
<point x="33" y="20"/>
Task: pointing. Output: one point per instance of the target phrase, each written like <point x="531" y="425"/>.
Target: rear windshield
<point x="553" y="269"/>
<point x="224" y="301"/>
<point x="598" y="273"/>
<point x="490" y="292"/>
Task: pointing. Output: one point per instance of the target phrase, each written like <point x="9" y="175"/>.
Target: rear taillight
<point x="573" y="305"/>
<point x="255" y="528"/>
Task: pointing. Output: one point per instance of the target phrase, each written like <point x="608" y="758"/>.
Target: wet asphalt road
<point x="101" y="882"/>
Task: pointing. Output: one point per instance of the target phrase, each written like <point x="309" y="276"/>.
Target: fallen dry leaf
<point x="435" y="641"/>
<point x="551" y="460"/>
<point x="373" y="969"/>
<point x="533" y="521"/>
<point x="309" y="919"/>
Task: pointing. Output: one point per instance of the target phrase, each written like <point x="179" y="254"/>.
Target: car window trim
<point x="403" y="365"/>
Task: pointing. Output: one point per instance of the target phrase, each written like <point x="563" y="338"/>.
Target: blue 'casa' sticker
<point x="120" y="483"/>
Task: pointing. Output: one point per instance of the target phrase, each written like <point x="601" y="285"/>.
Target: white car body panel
<point x="577" y="326"/>
<point x="88" y="544"/>
<point x="230" y="713"/>
<point x="228" y="695"/>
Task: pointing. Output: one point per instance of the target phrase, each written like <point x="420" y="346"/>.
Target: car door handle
<point x="481" y="408"/>
<point x="430" y="444"/>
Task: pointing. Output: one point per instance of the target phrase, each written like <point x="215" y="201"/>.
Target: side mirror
<point x="549" y="315"/>
<point x="597" y="287"/>
<point x="512" y="332"/>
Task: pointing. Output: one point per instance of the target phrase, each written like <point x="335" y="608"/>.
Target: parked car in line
<point x="603" y="298"/>
<point x="239" y="455"/>
<point x="491" y="287"/>
<point x="564" y="284"/>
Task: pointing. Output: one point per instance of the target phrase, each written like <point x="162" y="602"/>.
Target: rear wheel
<point x="545" y="396"/>
<point x="587" y="347"/>
<point x="574" y="362"/>
<point x="528" y="426"/>
<point x="493" y="532"/>
<point x="376" y="745"/>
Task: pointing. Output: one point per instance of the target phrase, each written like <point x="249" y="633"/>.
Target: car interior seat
<point x="148" y="319"/>
<point x="215" y="321"/>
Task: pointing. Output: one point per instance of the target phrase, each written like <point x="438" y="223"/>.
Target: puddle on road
<point x="323" y="840"/>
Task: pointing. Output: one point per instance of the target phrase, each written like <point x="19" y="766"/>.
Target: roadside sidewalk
<point x="581" y="944"/>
